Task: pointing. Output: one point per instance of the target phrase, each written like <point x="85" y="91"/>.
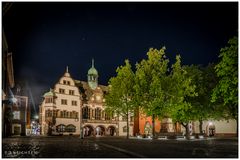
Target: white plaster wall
<point x="121" y="125"/>
<point x="221" y="126"/>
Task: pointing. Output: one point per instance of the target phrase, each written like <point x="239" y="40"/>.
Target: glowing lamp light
<point x="36" y="117"/>
<point x="210" y="123"/>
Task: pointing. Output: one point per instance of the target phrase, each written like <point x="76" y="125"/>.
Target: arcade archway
<point x="211" y="129"/>
<point x="111" y="130"/>
<point x="100" y="130"/>
<point x="88" y="130"/>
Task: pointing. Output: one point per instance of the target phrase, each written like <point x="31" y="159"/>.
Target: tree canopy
<point x="226" y="90"/>
<point x="120" y="97"/>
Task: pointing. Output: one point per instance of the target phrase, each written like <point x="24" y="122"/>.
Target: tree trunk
<point x="200" y="126"/>
<point x="187" y="134"/>
<point x="153" y="126"/>
<point x="237" y="127"/>
<point x="127" y="127"/>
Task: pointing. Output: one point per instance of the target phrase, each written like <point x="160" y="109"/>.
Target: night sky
<point x="46" y="37"/>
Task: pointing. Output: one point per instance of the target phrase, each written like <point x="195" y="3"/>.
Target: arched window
<point x="60" y="128"/>
<point x="70" y="128"/>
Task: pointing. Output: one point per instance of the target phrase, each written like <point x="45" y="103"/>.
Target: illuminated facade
<point x="74" y="106"/>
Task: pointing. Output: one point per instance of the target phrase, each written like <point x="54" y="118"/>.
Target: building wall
<point x="222" y="127"/>
<point x="20" y="109"/>
<point x="122" y="128"/>
<point x="143" y="120"/>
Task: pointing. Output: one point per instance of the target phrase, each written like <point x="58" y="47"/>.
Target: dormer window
<point x="64" y="82"/>
<point x="68" y="82"/>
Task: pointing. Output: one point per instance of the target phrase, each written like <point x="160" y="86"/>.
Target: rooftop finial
<point x="92" y="63"/>
<point x="67" y="69"/>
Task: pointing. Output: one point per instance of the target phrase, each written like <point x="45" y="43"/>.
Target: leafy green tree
<point x="150" y="87"/>
<point x="120" y="97"/>
<point x="204" y="78"/>
<point x="181" y="87"/>
<point x="226" y="90"/>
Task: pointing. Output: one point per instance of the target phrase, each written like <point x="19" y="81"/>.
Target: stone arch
<point x="111" y="130"/>
<point x="88" y="130"/>
<point x="100" y="130"/>
<point x="210" y="129"/>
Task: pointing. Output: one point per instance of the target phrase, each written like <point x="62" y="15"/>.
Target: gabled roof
<point x="87" y="91"/>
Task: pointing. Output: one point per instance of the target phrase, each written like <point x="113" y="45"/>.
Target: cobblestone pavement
<point x="116" y="147"/>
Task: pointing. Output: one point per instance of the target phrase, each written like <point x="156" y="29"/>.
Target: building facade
<point x="21" y="116"/>
<point x="73" y="107"/>
<point x="143" y="126"/>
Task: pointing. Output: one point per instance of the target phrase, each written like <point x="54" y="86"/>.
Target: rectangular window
<point x="64" y="82"/>
<point x="62" y="91"/>
<point x="68" y="82"/>
<point x="76" y="115"/>
<point x="48" y="100"/>
<point x="71" y="92"/>
<point x="74" y="103"/>
<point x="16" y="115"/>
<point x="64" y="101"/>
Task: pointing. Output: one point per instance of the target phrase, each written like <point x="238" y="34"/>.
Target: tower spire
<point x="67" y="69"/>
<point x="92" y="63"/>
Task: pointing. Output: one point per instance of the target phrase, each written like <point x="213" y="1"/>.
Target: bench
<point x="180" y="137"/>
<point x="162" y="137"/>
